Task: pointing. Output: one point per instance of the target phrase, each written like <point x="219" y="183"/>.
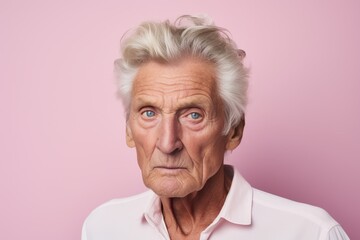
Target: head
<point x="183" y="87"/>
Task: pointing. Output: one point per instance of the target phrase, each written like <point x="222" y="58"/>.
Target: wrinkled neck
<point x="191" y="214"/>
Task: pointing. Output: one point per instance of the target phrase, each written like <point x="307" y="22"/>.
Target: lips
<point x="169" y="170"/>
<point x="170" y="167"/>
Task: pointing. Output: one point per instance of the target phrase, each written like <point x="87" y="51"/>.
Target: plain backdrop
<point x="62" y="143"/>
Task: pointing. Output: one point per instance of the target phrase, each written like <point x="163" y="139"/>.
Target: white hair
<point x="188" y="36"/>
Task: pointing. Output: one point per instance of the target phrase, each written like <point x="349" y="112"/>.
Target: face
<point x="175" y="124"/>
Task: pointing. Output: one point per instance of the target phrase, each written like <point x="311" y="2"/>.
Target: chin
<point x="170" y="188"/>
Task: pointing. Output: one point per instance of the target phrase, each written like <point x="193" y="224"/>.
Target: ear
<point x="235" y="135"/>
<point x="129" y="138"/>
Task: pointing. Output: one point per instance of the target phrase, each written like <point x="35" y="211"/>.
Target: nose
<point x="168" y="140"/>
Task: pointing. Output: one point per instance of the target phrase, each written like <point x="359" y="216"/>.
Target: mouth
<point x="169" y="169"/>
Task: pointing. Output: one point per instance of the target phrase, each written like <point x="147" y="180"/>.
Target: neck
<point x="189" y="216"/>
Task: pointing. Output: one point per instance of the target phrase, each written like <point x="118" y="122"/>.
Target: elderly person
<point x="184" y="89"/>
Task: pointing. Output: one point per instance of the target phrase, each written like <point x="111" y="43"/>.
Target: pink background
<point x="62" y="129"/>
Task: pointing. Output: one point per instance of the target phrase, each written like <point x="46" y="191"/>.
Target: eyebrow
<point x="205" y="103"/>
<point x="144" y="101"/>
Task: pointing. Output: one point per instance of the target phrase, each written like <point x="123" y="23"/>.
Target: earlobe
<point x="129" y="138"/>
<point x="235" y="135"/>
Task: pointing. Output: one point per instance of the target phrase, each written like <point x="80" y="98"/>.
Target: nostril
<point x="170" y="147"/>
<point x="178" y="147"/>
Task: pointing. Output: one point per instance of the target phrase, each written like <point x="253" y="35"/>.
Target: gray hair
<point x="188" y="36"/>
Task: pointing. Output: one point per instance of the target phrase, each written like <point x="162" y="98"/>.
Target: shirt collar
<point x="236" y="209"/>
<point x="153" y="215"/>
<point x="152" y="211"/>
<point x="238" y="203"/>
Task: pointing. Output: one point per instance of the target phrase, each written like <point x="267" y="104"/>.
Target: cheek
<point x="145" y="142"/>
<point x="206" y="147"/>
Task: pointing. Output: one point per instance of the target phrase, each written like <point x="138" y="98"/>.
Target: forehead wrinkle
<point x="195" y="99"/>
<point x="177" y="92"/>
<point x="173" y="84"/>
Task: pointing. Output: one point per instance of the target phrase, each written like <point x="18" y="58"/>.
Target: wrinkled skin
<point x="175" y="123"/>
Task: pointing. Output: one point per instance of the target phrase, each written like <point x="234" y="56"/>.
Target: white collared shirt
<point x="247" y="213"/>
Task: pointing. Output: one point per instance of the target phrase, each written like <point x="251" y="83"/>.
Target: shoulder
<point x="120" y="210"/>
<point x="290" y="211"/>
<point x="120" y="217"/>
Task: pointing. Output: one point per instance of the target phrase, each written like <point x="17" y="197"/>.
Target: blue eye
<point x="148" y="113"/>
<point x="195" y="115"/>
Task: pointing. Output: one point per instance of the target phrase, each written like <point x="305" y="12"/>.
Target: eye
<point x="195" y="115"/>
<point x="148" y="113"/>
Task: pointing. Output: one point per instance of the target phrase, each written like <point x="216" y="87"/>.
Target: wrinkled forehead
<point x="187" y="75"/>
